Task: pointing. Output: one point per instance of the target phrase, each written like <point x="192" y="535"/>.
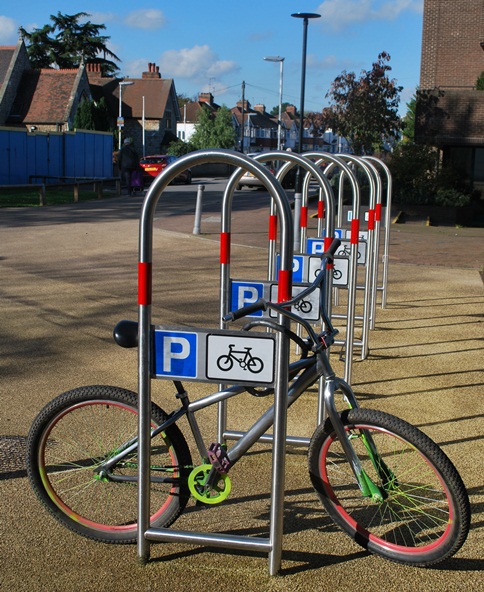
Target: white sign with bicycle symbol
<point x="213" y="356"/>
<point x="244" y="292"/>
<point x="315" y="246"/>
<point x="240" y="359"/>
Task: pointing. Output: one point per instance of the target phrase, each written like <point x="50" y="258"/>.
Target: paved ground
<point x="68" y="274"/>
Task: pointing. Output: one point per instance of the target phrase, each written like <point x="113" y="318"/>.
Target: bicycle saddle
<point x="125" y="333"/>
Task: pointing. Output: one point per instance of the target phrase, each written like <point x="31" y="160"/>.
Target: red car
<point x="154" y="164"/>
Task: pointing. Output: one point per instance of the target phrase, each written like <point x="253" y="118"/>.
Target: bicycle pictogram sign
<point x="243" y="358"/>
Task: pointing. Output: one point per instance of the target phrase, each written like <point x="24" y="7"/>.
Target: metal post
<point x="121" y="84"/>
<point x="279" y="122"/>
<point x="198" y="210"/>
<point x="298" y="197"/>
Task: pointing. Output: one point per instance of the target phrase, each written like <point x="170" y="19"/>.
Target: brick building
<point x="450" y="110"/>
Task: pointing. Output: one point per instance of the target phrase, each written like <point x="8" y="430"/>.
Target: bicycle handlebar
<point x="262" y="304"/>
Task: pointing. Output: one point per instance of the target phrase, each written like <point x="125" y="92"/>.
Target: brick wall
<point x="452" y="60"/>
<point x="451" y="52"/>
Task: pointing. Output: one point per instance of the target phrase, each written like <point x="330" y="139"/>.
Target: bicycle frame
<point x="308" y="373"/>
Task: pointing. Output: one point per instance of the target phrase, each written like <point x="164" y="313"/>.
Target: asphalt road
<point x="68" y="274"/>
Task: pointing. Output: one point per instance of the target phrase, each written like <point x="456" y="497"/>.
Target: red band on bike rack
<point x="355" y="231"/>
<point x="284" y="285"/>
<point x="225" y="247"/>
<point x="371" y="219"/>
<point x="378" y="212"/>
<point x="144" y="283"/>
<point x="320" y="209"/>
<point x="272" y="227"/>
<point x="304" y="217"/>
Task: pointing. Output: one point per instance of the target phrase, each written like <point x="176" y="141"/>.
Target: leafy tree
<point x="364" y="110"/>
<point x="180" y="148"/>
<point x="480" y="82"/>
<point x="408" y="123"/>
<point x="67" y="42"/>
<point x="84" y="118"/>
<point x="275" y="110"/>
<point x="92" y="116"/>
<point x="182" y="100"/>
<point x="214" y="131"/>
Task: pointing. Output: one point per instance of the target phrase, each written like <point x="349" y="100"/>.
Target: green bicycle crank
<point x="216" y="494"/>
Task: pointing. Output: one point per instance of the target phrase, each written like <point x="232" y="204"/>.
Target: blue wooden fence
<point x="25" y="155"/>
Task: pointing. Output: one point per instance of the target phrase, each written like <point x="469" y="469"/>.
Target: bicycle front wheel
<point x="424" y="515"/>
<point x="71" y="439"/>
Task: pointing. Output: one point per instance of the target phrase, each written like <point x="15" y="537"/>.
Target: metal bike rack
<point x="335" y="161"/>
<point x="273" y="544"/>
<point x="290" y="160"/>
<point x="388" y="214"/>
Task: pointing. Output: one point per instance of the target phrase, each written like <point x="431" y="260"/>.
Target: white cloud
<point x="146" y="18"/>
<point x="197" y="62"/>
<point x="339" y="14"/>
<point x="8" y="30"/>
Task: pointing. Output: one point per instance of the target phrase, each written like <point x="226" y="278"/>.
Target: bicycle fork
<point x="367" y="487"/>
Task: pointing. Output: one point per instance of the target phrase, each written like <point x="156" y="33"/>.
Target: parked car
<point x="154" y="164"/>
<point x="249" y="180"/>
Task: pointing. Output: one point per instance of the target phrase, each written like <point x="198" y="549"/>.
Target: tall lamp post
<point x="298" y="193"/>
<point x="120" y="116"/>
<point x="279" y="122"/>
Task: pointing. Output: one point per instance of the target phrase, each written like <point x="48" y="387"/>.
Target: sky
<point x="215" y="46"/>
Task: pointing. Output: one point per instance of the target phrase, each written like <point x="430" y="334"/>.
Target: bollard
<point x="198" y="210"/>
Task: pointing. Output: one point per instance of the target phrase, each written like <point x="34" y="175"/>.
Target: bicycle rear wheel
<point x="424" y="516"/>
<point x="83" y="428"/>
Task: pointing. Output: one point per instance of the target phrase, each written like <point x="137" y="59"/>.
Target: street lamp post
<point x="120" y="115"/>
<point x="298" y="190"/>
<point x="279" y="123"/>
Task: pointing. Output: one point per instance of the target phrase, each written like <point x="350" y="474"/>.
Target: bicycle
<point x="243" y="358"/>
<point x="383" y="481"/>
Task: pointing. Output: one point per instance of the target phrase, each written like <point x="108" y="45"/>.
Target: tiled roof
<point x="155" y="91"/>
<point x="6" y="54"/>
<point x="43" y="96"/>
<point x="257" y="119"/>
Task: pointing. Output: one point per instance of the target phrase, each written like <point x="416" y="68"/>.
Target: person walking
<point x="128" y="161"/>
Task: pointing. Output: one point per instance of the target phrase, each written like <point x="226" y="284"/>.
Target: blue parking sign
<point x="175" y="354"/>
<point x="298" y="268"/>
<point x="244" y="293"/>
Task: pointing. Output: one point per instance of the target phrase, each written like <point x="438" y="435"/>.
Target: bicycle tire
<point x="255" y="365"/>
<point x="406" y="527"/>
<point x="77" y="431"/>
<point x="225" y="363"/>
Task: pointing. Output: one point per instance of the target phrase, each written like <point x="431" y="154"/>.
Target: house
<point x="450" y="110"/>
<point x="186" y="127"/>
<point x="148" y="106"/>
<point x="259" y="127"/>
<point x="39" y="100"/>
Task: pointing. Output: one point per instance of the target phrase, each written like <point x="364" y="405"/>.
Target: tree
<point x="364" y="109"/>
<point x="214" y="131"/>
<point x="67" y="43"/>
<point x="408" y="123"/>
<point x="84" y="118"/>
<point x="275" y="110"/>
<point x="92" y="116"/>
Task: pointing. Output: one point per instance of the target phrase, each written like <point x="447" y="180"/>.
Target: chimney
<point x="153" y="72"/>
<point x="93" y="69"/>
<point x="260" y="108"/>
<point x="205" y="98"/>
<point x="246" y="105"/>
